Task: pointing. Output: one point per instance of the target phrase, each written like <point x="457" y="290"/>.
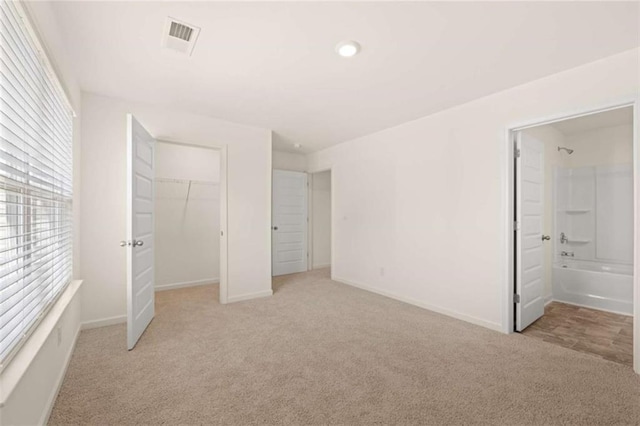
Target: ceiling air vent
<point x="180" y="36"/>
<point x="180" y="31"/>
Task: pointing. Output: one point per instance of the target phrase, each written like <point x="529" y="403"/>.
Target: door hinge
<point x="516" y="298"/>
<point x="516" y="153"/>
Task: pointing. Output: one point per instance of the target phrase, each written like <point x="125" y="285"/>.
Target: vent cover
<point x="180" y="36"/>
<point x="180" y="31"/>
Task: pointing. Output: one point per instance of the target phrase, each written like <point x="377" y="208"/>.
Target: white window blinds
<point x="35" y="182"/>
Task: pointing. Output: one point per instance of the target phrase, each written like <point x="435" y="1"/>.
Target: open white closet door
<point x="529" y="228"/>
<point x="140" y="208"/>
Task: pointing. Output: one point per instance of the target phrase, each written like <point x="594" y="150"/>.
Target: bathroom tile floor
<point x="603" y="334"/>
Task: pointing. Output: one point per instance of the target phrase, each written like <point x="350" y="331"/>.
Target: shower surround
<point x="593" y="250"/>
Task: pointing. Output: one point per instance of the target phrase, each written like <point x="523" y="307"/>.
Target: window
<point x="35" y="182"/>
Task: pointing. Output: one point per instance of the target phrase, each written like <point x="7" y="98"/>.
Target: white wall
<point x="321" y="219"/>
<point x="32" y="398"/>
<point x="420" y="209"/>
<point x="604" y="146"/>
<point x="552" y="139"/>
<point x="178" y="161"/>
<point x="187" y="220"/>
<point x="289" y="161"/>
<point x="104" y="192"/>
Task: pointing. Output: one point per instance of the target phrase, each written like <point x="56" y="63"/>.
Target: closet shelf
<point x="186" y="181"/>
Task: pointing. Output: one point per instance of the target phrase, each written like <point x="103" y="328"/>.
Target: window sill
<point x="16" y="368"/>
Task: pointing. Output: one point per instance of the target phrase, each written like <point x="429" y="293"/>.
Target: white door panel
<point x="529" y="216"/>
<point x="289" y="228"/>
<point x="140" y="206"/>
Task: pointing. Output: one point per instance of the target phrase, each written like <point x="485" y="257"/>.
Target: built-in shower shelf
<point x="576" y="211"/>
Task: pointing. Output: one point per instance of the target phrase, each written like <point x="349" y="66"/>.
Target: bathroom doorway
<point x="573" y="233"/>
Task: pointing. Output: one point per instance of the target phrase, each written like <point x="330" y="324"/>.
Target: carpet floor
<point x="320" y="352"/>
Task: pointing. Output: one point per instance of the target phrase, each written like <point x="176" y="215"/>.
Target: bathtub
<point x="608" y="287"/>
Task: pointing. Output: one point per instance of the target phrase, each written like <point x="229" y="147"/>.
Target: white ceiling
<point x="614" y="117"/>
<point x="273" y="64"/>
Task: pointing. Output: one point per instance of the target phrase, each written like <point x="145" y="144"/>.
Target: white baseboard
<point x="240" y="298"/>
<point x="323" y="265"/>
<point x="63" y="372"/>
<point x="444" y="311"/>
<point x="103" y="322"/>
<point x="548" y="299"/>
<point x="172" y="286"/>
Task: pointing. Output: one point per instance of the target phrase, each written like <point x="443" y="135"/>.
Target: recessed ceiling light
<point x="348" y="49"/>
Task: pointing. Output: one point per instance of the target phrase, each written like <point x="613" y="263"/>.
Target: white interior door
<point x="289" y="222"/>
<point x="529" y="228"/>
<point x="140" y="206"/>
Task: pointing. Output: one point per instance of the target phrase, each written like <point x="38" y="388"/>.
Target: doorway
<point x="179" y="191"/>
<point x="573" y="232"/>
<point x="320" y="220"/>
<point x="187" y="216"/>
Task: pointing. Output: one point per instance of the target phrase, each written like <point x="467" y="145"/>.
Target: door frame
<point x="224" y="209"/>
<point x="311" y="265"/>
<point x="508" y="307"/>
<point x="333" y="220"/>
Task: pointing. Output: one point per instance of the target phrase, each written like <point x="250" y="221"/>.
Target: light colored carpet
<point x="320" y="352"/>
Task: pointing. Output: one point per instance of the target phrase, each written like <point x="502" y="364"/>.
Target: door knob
<point x="546" y="238"/>
<point x="138" y="243"/>
<point x="124" y="243"/>
<point x="275" y="228"/>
